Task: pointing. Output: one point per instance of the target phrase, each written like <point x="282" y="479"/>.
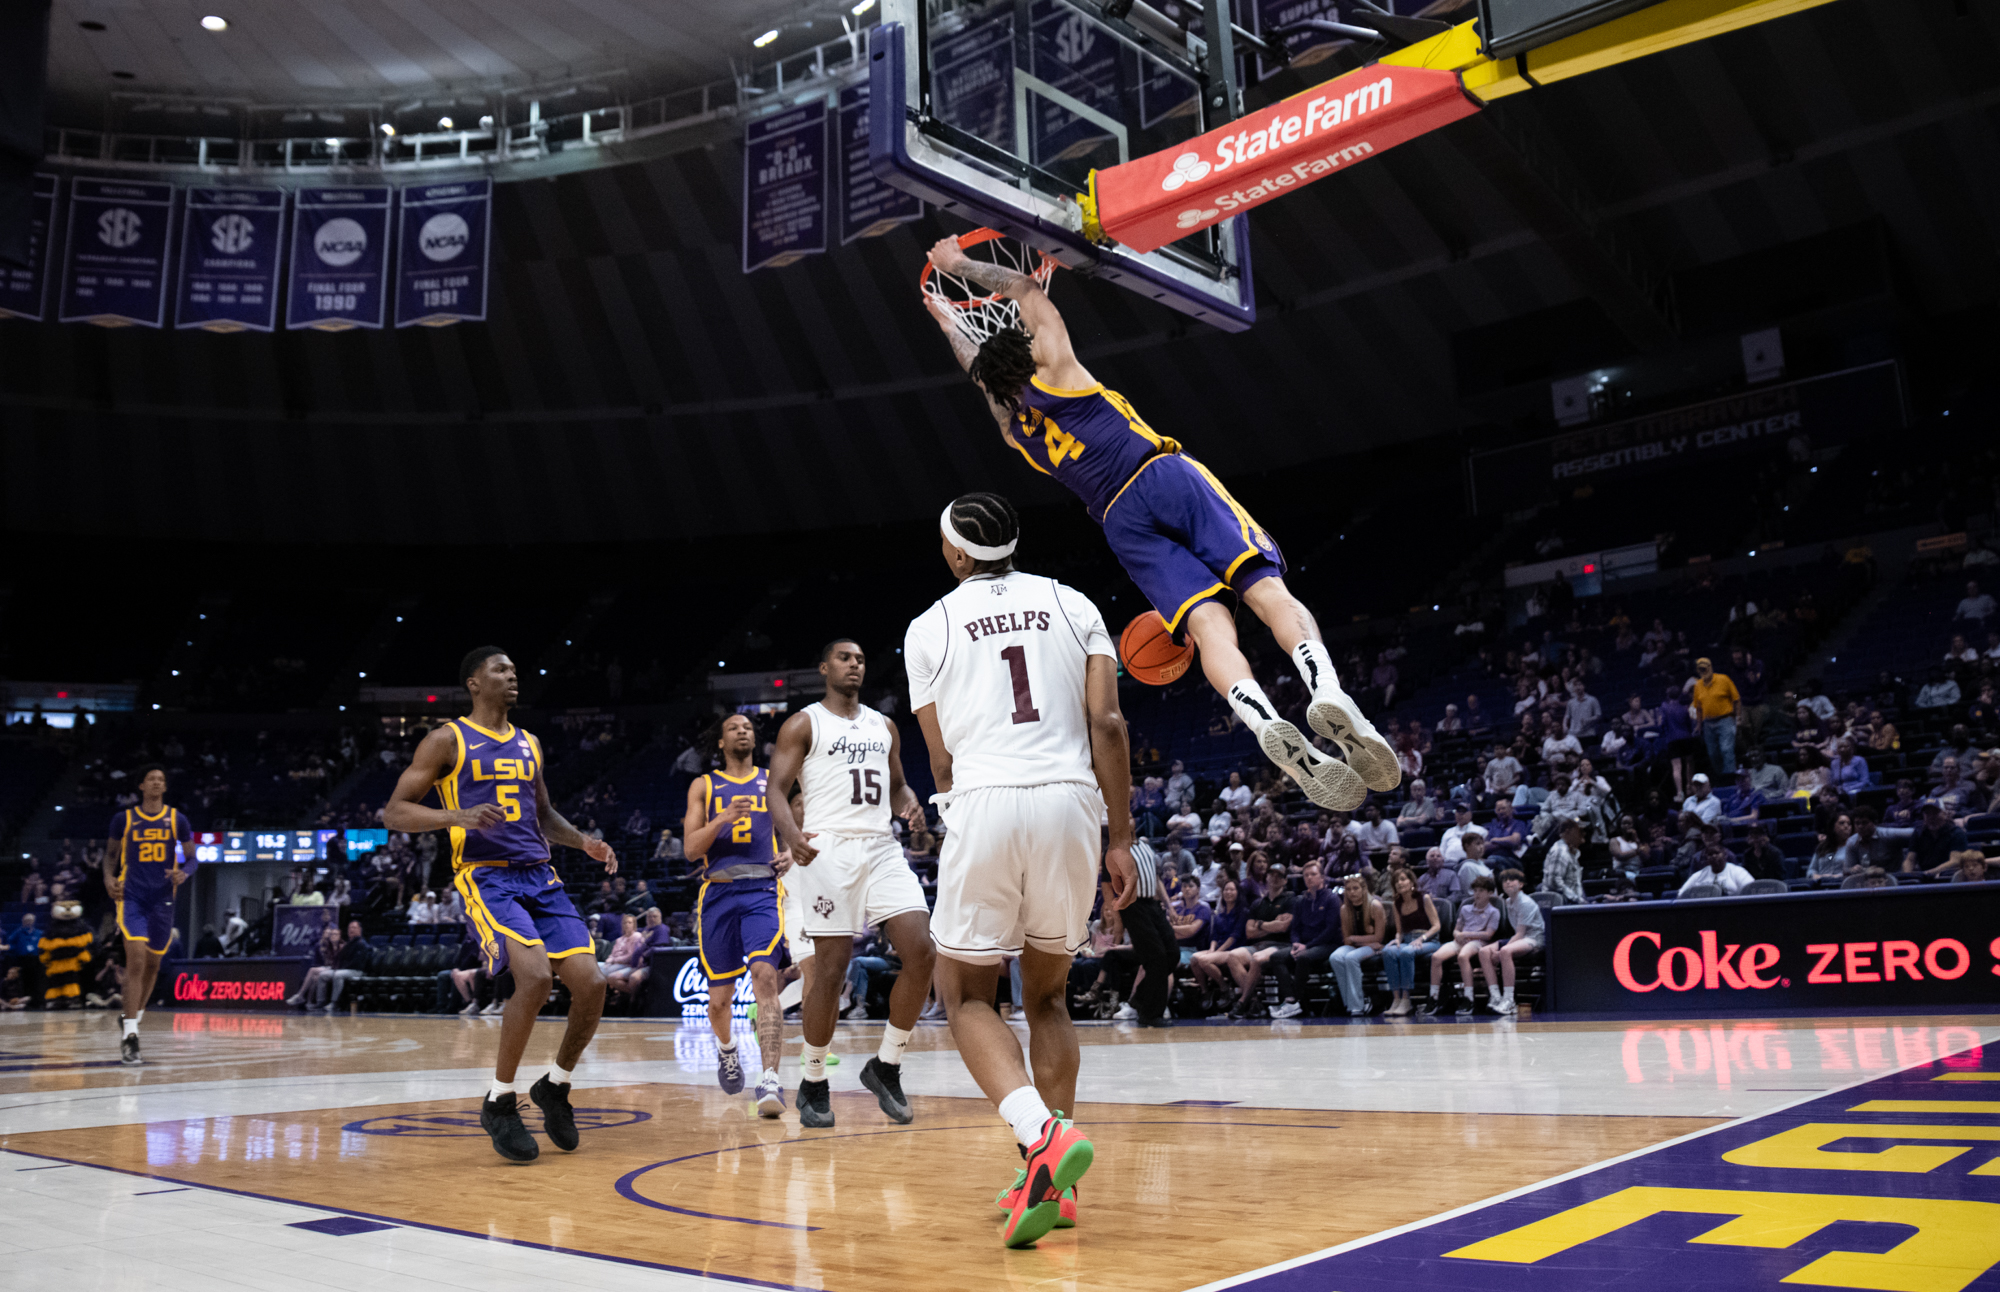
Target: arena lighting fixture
<point x="862" y="8"/>
<point x="766" y="38"/>
<point x="213" y="23"/>
<point x="444" y="123"/>
<point x="333" y="144"/>
<point x="156" y="706"/>
<point x="176" y="672"/>
<point x="389" y="132"/>
<point x="364" y="675"/>
<point x="486" y="123"/>
<point x="59" y="806"/>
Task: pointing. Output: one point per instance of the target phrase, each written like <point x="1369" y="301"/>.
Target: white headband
<point x="976" y="551"/>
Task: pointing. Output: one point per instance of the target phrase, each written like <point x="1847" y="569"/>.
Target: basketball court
<point x="266" y="1152"/>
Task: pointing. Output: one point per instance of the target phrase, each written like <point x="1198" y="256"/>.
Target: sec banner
<point x="340" y="244"/>
<point x="23" y="288"/>
<point x="441" y="245"/>
<point x="231" y="243"/>
<point x="115" y="261"/>
<point x="1929" y="945"/>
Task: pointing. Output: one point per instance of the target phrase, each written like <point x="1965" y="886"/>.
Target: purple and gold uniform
<point x="738" y="907"/>
<point x="503" y="871"/>
<point x="1170" y="522"/>
<point x="147" y="851"/>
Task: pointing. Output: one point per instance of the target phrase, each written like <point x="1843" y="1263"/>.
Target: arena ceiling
<point x="1835" y="171"/>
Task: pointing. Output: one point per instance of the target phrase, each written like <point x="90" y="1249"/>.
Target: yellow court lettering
<point x="1803" y="1148"/>
<point x="1956" y="1241"/>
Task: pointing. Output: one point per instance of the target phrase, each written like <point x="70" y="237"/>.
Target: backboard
<point x="998" y="112"/>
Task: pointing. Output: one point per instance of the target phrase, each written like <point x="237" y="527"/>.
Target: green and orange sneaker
<point x="1065" y="1215"/>
<point x="1054" y="1165"/>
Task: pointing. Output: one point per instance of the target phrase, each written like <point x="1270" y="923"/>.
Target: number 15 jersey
<point x="1003" y="658"/>
<point x="845" y="777"/>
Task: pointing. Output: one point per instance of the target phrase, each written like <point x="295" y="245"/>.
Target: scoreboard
<point x="293" y="846"/>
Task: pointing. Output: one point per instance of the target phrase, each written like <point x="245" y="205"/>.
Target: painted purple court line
<point x="59" y="1166"/>
<point x="340" y="1226"/>
<point x="150" y="1192"/>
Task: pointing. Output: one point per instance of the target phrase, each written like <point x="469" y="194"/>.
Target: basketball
<point x="1149" y="651"/>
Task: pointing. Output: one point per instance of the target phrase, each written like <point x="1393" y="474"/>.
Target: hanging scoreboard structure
<point x="1514" y="25"/>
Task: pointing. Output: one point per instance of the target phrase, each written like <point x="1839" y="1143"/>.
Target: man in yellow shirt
<point x="1716" y="703"/>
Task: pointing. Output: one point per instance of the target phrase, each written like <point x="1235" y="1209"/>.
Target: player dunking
<point x="489" y="775"/>
<point x="728" y="830"/>
<point x="1015" y="682"/>
<point x="849" y="760"/>
<point x="146" y="861"/>
<point x="1190" y="547"/>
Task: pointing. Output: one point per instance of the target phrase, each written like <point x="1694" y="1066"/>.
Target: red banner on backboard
<point x="1153" y="200"/>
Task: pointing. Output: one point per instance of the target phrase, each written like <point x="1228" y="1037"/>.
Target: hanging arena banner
<point x="24" y="288"/>
<point x="232" y="244"/>
<point x="340" y="258"/>
<point x="442" y="236"/>
<point x="115" y="253"/>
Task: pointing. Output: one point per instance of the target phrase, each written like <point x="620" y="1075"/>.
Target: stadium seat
<point x="1761" y="887"/>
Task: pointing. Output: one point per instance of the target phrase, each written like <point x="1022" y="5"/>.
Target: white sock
<point x="500" y="1088"/>
<point x="729" y="1044"/>
<point x="1251" y="704"/>
<point x="1316" y="670"/>
<point x="1434" y="991"/>
<point x="770" y="1077"/>
<point x="1027" y="1114"/>
<point x="893" y="1040"/>
<point x="138" y="1015"/>
<point x="128" y="1027"/>
<point x="559" y="1075"/>
<point x="812" y="1061"/>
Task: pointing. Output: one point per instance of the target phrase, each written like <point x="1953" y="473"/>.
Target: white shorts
<point x="792" y="912"/>
<point x="855" y="881"/>
<point x="1019" y="868"/>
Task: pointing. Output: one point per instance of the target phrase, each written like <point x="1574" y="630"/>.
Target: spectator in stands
<point x="1903" y="811"/>
<point x="1438" y="879"/>
<point x="1679" y="740"/>
<point x="1848" y="771"/>
<point x="1627" y="853"/>
<point x="1372" y="833"/>
<point x="1179" y="792"/>
<point x="350" y="962"/>
<point x="1506" y="834"/>
<point x="1702" y="803"/>
<point x="34" y="889"/>
<point x="1958" y="745"/>
<point x="1236" y="795"/>
<point x="871" y="957"/>
<point x="1363" y="929"/>
<point x="1561" y="750"/>
<point x="605" y="902"/>
<point x="1526" y="918"/>
<point x="1874" y="846"/>
<point x="1830" y="860"/>
<point x="641" y="898"/>
<point x="1935" y="842"/>
<point x="1149" y="804"/>
<point x="1227" y="921"/>
<point x="422" y="909"/>
<point x="1583" y="711"/>
<point x="1475" y="718"/>
<point x="1475" y="863"/>
<point x="668" y="848"/>
<point x="1716" y="702"/>
<point x="1754" y="711"/>
<point x="1209" y="874"/>
<point x="1762" y="860"/>
<point x="1503" y="771"/>
<point x="1941" y="692"/>
<point x="326" y="955"/>
<point x="1975" y="607"/>
<point x="1742" y="801"/>
<point x="1315" y="932"/>
<point x="1959" y="652"/>
<point x="623" y="966"/>
<point x="1450" y="723"/>
<point x="1478" y="921"/>
<point x="1419" y="810"/>
<point x="1562" y="869"/>
<point x="1414" y="934"/>
<point x="1266" y="932"/>
<point x="1219" y="820"/>
<point x="1812" y="779"/>
<point x="1983" y="714"/>
<point x="1951" y="789"/>
<point x="1462" y="825"/>
<point x="1567" y="800"/>
<point x="1717" y="870"/>
<point x="14" y="989"/>
<point x="1972" y="868"/>
<point x="1383" y="681"/>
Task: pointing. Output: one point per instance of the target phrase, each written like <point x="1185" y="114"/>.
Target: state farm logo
<point x="340" y="242"/>
<point x="118" y="227"/>
<point x="1718" y="965"/>
<point x="1188" y="167"/>
<point x="1194" y="215"/>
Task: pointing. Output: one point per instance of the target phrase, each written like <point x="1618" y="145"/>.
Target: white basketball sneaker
<point x="1330" y="783"/>
<point x="1334" y="714"/>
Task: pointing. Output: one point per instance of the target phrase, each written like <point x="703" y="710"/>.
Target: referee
<point x="1153" y="940"/>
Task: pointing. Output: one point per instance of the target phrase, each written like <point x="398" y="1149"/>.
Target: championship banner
<point x="1819" y="411"/>
<point x="115" y="254"/>
<point x="1928" y="945"/>
<point x="972" y="76"/>
<point x="868" y="207"/>
<point x="340" y="258"/>
<point x="24" y="288"/>
<point x="1151" y="201"/>
<point x="231" y="243"/>
<point x="784" y="187"/>
<point x="442" y="236"/>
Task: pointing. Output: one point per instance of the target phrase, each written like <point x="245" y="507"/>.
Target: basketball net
<point x="980" y="313"/>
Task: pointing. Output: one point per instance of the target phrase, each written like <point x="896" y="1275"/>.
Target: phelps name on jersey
<point x="501" y="769"/>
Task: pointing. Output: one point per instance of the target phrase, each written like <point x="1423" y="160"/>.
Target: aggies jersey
<point x="845" y="777"/>
<point x="1003" y="659"/>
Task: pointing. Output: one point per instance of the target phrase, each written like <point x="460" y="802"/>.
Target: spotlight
<point x="486" y="123"/>
<point x="766" y="38"/>
<point x="213" y="23"/>
<point x="863" y="7"/>
<point x="388" y="131"/>
<point x="444" y="123"/>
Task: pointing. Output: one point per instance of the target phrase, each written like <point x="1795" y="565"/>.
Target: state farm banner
<point x="784" y="187"/>
<point x="232" y="243"/>
<point x="115" y="255"/>
<point x="1928" y="944"/>
<point x="1151" y="201"/>
<point x="441" y="245"/>
<point x="1816" y="412"/>
<point x="24" y="288"/>
<point x="340" y="258"/>
<point x="868" y="207"/>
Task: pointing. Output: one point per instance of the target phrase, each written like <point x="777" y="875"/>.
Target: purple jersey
<point x="501" y="769"/>
<point x="748" y="849"/>
<point x="1091" y="441"/>
<point x="146" y="851"/>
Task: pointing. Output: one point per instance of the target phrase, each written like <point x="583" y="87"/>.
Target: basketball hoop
<point x="981" y="313"/>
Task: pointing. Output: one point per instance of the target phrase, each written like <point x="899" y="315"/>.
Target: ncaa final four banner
<point x="231" y="245"/>
<point x="115" y="255"/>
<point x="340" y="243"/>
<point x="441" y="253"/>
<point x="24" y="288"/>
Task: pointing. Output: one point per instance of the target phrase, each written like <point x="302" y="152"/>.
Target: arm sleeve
<point x="924" y="647"/>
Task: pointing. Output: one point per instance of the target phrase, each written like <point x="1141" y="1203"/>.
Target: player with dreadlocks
<point x="1192" y="549"/>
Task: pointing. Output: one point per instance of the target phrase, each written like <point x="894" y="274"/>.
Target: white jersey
<point x="1003" y="658"/>
<point x="845" y="777"/>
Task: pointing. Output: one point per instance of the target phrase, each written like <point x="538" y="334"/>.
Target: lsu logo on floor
<point x="1891" y="1185"/>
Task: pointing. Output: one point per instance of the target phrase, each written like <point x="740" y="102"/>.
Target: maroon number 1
<point x="1024" y="702"/>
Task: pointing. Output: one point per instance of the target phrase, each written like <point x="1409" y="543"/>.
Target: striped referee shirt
<point x="1147" y="862"/>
